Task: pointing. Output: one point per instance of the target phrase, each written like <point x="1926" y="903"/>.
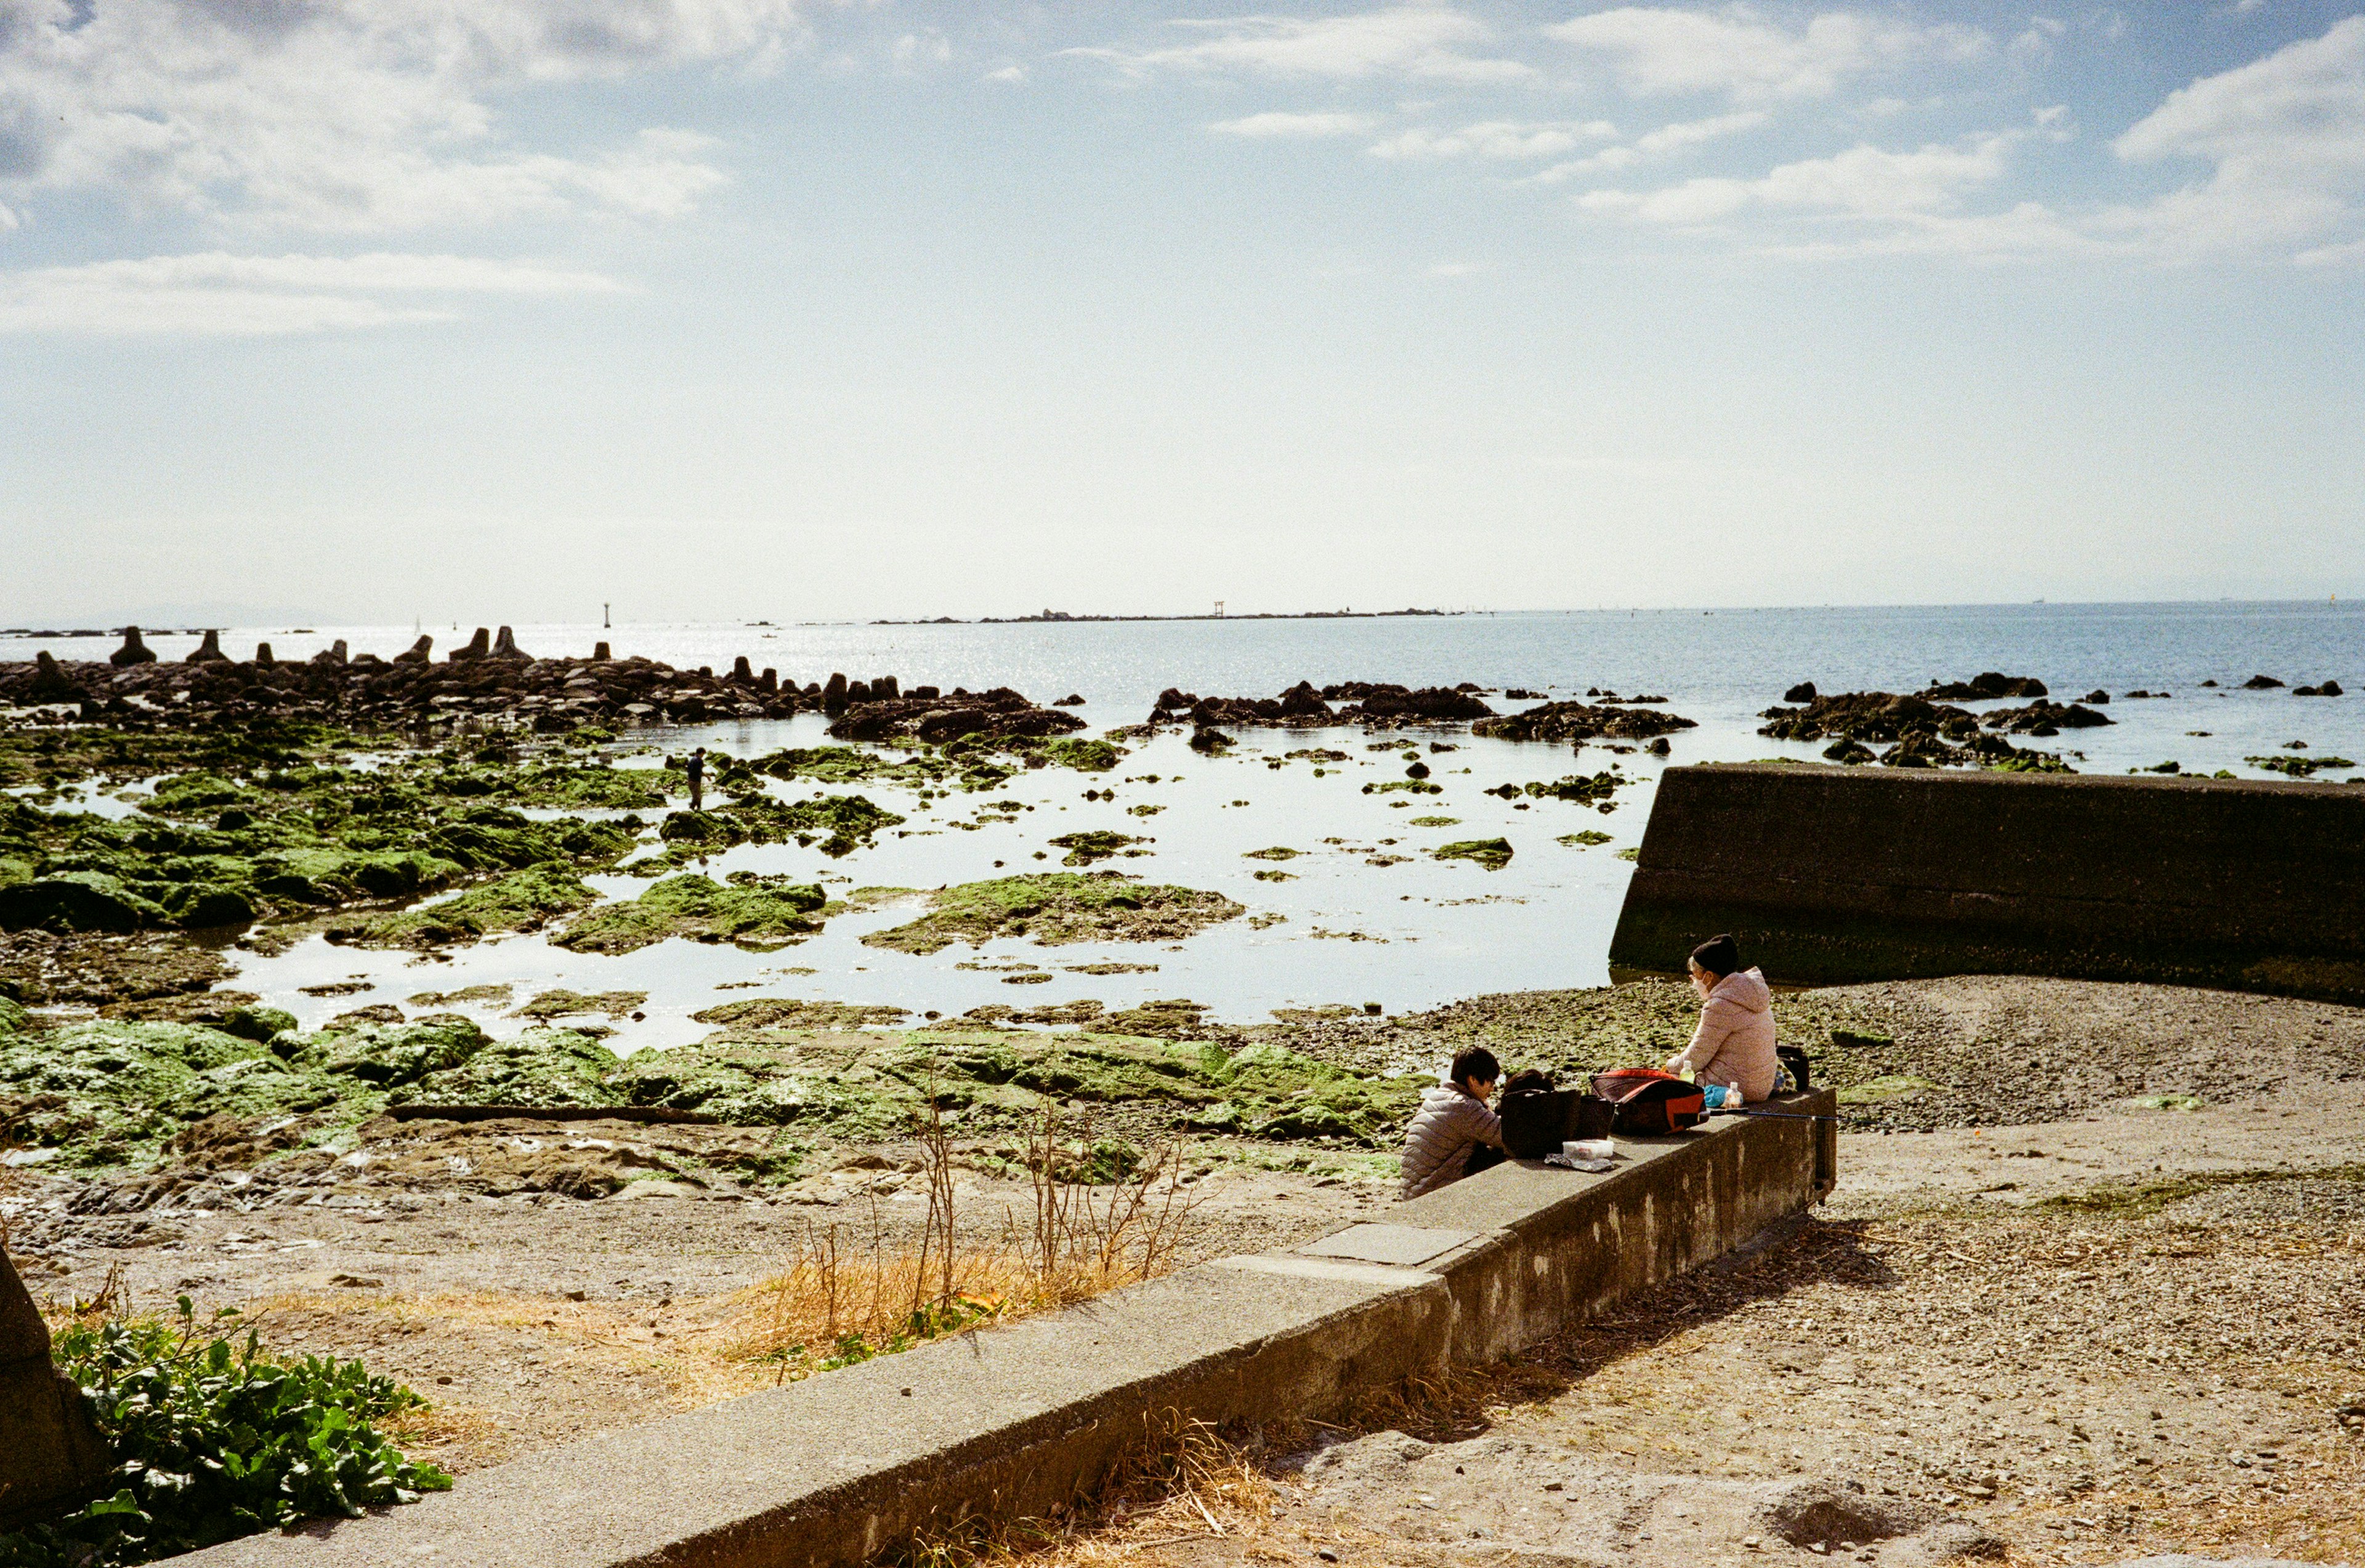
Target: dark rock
<point x="1986" y="686"/>
<point x="600" y="653"/>
<point x="1204" y="739"/>
<point x="49" y="682"/>
<point x="505" y="647"/>
<point x="769" y="681"/>
<point x="1070" y="701"/>
<point x="133" y="652"/>
<point x="52" y="1457"/>
<point x="208" y="650"/>
<point x="885" y="689"/>
<point x="2260" y="683"/>
<point x="335" y="654"/>
<point x="1803" y="692"/>
<point x="417" y="653"/>
<point x="833" y="696"/>
<point x="1582" y="721"/>
<point x="2329" y="688"/>
<point x="263" y="658"/>
<point x="2098" y="697"/>
<point x="75" y="901"/>
<point x="856" y="693"/>
<point x="480" y="646"/>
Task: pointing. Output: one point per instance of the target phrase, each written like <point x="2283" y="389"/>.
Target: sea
<point x="1366" y="916"/>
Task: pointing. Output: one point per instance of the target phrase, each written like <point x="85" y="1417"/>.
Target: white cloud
<point x="216" y="294"/>
<point x="1863" y="183"/>
<point x="1665" y="141"/>
<point x="1736" y="51"/>
<point x="2286" y="137"/>
<point x="357" y="115"/>
<point x="1275" y="125"/>
<point x="1013" y="73"/>
<point x="1420" y="41"/>
<point x="1494" y="139"/>
<point x="2041" y="35"/>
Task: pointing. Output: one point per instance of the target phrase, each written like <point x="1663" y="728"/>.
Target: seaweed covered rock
<point x="1494" y="853"/>
<point x="871" y="1085"/>
<point x="540" y="1068"/>
<point x="77" y="900"/>
<point x="1057" y="908"/>
<point x="386" y="1056"/>
<point x="756" y="915"/>
<point x="523" y="901"/>
<point x="1570" y="722"/>
<point x="839" y="824"/>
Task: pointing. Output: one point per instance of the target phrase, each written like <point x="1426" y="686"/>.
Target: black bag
<point x="1795" y="1059"/>
<point x="1538" y="1118"/>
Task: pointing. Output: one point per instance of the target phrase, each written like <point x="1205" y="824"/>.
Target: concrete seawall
<point x="1015" y="1421"/>
<point x="1832" y="875"/>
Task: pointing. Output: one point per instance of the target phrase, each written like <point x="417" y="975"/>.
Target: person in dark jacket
<point x="1455" y="1133"/>
<point x="695" y="770"/>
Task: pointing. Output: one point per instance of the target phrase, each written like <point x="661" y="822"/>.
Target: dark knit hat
<point x="1719" y="956"/>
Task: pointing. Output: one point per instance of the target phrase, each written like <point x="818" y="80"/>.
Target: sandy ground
<point x="2115" y="1331"/>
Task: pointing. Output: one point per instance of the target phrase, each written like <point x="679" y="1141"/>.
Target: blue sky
<point x="369" y="310"/>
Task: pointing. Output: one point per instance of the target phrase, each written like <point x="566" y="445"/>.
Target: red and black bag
<point x="1648" y="1102"/>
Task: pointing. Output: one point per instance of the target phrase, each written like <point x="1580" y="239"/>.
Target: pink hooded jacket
<point x="1735" y="1042"/>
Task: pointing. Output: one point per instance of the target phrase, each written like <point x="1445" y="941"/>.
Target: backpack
<point x="1648" y="1102"/>
<point x="1538" y="1118"/>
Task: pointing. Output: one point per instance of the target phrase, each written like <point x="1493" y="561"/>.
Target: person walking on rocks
<point x="696" y="771"/>
<point x="1734" y="1043"/>
<point x="1455" y="1133"/>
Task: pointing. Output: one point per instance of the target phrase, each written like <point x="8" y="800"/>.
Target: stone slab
<point x="1402" y="1245"/>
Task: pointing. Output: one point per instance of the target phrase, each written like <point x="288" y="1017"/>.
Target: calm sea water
<point x="1367" y="915"/>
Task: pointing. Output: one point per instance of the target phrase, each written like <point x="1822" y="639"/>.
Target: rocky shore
<point x="489" y="678"/>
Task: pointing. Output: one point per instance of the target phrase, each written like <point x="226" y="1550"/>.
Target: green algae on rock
<point x="541" y="1069"/>
<point x="1277" y="852"/>
<point x="841" y="823"/>
<point x="1583" y="840"/>
<point x="1097" y="843"/>
<point x="775" y="1013"/>
<point x="523" y="900"/>
<point x="757" y="914"/>
<point x="551" y="1004"/>
<point x="111" y="1093"/>
<point x="872" y="1085"/>
<point x="1057" y="908"/>
<point x="1492" y="853"/>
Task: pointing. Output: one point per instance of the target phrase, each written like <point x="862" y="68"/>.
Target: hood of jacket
<point x="1744" y="989"/>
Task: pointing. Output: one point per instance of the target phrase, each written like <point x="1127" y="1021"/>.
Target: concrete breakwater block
<point x="1015" y="1421"/>
<point x="1840" y="875"/>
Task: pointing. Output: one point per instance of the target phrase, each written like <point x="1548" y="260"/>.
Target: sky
<point x="494" y="310"/>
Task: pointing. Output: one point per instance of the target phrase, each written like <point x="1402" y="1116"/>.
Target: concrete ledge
<point x="1832" y="875"/>
<point x="1018" y="1420"/>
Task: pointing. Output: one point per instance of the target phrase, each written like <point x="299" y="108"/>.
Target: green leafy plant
<point x="212" y="1440"/>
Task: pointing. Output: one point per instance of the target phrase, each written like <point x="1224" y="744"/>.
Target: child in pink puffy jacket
<point x="1735" y="1042"/>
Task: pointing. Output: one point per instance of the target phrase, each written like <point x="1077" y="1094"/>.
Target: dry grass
<point x="847" y="1295"/>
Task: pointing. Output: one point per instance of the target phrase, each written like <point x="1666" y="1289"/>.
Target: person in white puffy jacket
<point x="1735" y="1042"/>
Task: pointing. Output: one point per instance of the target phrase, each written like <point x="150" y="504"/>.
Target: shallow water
<point x="1405" y="933"/>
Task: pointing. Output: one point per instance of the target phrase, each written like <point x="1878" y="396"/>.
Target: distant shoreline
<point x="1056" y="617"/>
